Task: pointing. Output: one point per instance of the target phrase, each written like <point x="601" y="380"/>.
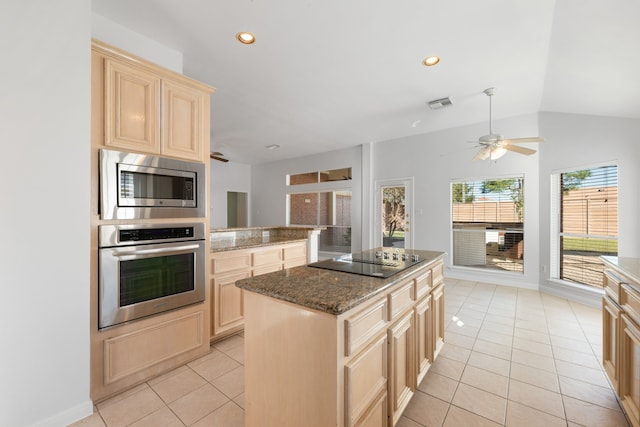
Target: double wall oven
<point x="147" y="268"/>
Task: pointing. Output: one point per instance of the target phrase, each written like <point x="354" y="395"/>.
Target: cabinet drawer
<point x="400" y="299"/>
<point x="266" y="269"/>
<point x="437" y="274"/>
<point x="611" y="284"/>
<point x="363" y="326"/>
<point x="295" y="251"/>
<point x="266" y="257"/>
<point x="630" y="302"/>
<point x="422" y="285"/>
<point x="230" y="261"/>
<point x="365" y="379"/>
<point x="295" y="262"/>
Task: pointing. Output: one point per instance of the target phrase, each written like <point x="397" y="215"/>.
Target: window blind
<point x="588" y="222"/>
<point x="488" y="223"/>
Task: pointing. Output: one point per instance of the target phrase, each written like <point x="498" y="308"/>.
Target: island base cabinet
<point x="290" y="364"/>
<point x="610" y="327"/>
<point x="377" y="415"/>
<point x="629" y="381"/>
<point x="424" y="334"/>
<point x="401" y="377"/>
<point x="365" y="381"/>
<point x="357" y="368"/>
<point x="438" y="319"/>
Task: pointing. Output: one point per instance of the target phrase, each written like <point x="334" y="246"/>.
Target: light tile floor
<point x="512" y="357"/>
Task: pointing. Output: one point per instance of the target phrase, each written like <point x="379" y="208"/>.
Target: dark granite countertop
<point x="229" y="239"/>
<point x="329" y="291"/>
<point x="250" y="242"/>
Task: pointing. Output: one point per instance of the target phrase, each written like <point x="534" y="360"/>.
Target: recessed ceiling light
<point x="430" y="61"/>
<point x="273" y="147"/>
<point x="246" y="38"/>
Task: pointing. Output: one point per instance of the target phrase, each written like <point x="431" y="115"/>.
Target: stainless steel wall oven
<point x="147" y="269"/>
<point x="140" y="186"/>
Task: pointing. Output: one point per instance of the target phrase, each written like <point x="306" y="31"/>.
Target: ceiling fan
<point x="494" y="146"/>
<point x="216" y="155"/>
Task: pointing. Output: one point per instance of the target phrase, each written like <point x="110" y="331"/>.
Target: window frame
<point x="555" y="223"/>
<point x="476" y="180"/>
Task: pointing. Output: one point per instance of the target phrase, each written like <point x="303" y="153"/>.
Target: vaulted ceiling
<point x="329" y="74"/>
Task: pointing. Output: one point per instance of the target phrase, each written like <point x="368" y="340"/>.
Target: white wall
<point x="434" y="160"/>
<point x="44" y="250"/>
<point x="111" y="32"/>
<point x="268" y="187"/>
<point x="225" y="177"/>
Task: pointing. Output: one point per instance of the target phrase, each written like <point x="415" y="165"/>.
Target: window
<point x="488" y="224"/>
<point x="331" y="209"/>
<point x="585" y="203"/>
<point x="327" y="203"/>
<point x="343" y="174"/>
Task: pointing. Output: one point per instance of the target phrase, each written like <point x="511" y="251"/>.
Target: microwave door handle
<point x="156" y="251"/>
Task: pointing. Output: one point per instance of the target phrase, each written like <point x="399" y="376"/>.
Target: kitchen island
<point x="328" y="348"/>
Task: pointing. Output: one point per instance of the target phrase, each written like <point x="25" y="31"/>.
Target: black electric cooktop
<point x="371" y="263"/>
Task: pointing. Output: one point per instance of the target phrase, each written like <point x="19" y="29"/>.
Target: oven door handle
<point x="156" y="251"/>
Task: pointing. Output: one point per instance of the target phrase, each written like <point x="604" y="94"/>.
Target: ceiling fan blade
<point x="520" y="140"/>
<point x="483" y="153"/>
<point x="517" y="149"/>
<point x="221" y="159"/>
<point x="217" y="153"/>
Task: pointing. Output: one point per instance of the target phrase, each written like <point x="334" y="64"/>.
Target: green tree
<point x="462" y="192"/>
<point x="572" y="180"/>
<point x="515" y="188"/>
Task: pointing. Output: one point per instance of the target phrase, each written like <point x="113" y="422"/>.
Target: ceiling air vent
<point x="440" y="103"/>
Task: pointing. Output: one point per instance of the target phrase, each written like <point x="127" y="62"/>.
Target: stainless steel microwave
<point x="142" y="186"/>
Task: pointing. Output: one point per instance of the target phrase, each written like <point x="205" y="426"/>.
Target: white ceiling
<point x="329" y="74"/>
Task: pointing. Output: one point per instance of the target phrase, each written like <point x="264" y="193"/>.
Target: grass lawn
<point x="590" y="245"/>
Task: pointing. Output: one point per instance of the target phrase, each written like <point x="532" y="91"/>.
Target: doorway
<point x="394" y="213"/>
<point x="237" y="209"/>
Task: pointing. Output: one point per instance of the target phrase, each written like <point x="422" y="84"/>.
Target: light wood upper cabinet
<point x="150" y="109"/>
<point x="132" y="108"/>
<point x="182" y="121"/>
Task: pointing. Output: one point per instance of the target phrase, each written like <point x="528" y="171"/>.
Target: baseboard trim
<point x="577" y="293"/>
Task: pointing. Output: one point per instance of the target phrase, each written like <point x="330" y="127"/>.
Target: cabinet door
<point x="401" y="375"/>
<point x="438" y="319"/>
<point x="182" y="121"/>
<point x="132" y="108"/>
<point x="610" y="326"/>
<point x="365" y="379"/>
<point x="377" y="414"/>
<point x="228" y="309"/>
<point x="629" y="380"/>
<point x="424" y="338"/>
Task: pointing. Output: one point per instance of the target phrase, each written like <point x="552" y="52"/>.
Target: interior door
<point x="394" y="213"/>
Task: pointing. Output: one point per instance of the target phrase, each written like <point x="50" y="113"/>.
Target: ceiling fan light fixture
<point x="245" y="37"/>
<point x="497" y="152"/>
<point x="430" y="61"/>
